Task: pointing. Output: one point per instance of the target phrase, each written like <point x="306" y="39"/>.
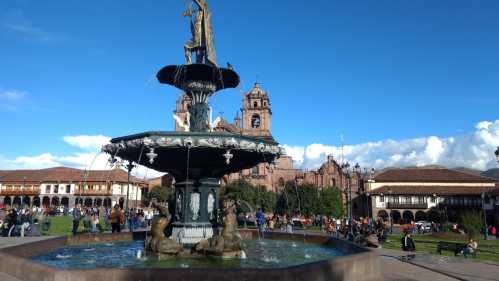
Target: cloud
<point x="473" y="150"/>
<point x="17" y="23"/>
<point x="90" y="158"/>
<point x="87" y="142"/>
<point x="12" y="100"/>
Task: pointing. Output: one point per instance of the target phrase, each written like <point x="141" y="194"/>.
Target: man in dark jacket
<point x="408" y="244"/>
<point x="77" y="215"/>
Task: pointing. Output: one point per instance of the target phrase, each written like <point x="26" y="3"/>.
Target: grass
<point x="63" y="225"/>
<point x="488" y="250"/>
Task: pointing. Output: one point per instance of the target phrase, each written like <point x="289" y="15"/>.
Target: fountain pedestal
<point x="196" y="210"/>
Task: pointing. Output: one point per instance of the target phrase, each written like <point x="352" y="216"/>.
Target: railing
<point x="93" y="192"/>
<point x="394" y="205"/>
<point x="19" y="191"/>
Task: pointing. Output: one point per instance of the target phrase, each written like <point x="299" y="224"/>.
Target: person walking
<point x="260" y="220"/>
<point x="408" y="245"/>
<point x="116" y="219"/>
<point x="77" y="215"/>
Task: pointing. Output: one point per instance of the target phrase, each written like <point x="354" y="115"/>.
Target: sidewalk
<point x="456" y="267"/>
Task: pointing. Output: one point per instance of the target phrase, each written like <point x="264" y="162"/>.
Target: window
<point x="254" y="171"/>
<point x="255" y="121"/>
<point x="255" y="104"/>
<point x="56" y="188"/>
<point x="487" y="199"/>
<point x="382" y="199"/>
<point x="432" y="200"/>
<point x="47" y="188"/>
<point x="68" y="188"/>
<point x="421" y="199"/>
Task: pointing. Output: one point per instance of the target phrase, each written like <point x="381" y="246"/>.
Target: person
<point x="260" y="220"/>
<point x="116" y="219"/>
<point x="470" y="248"/>
<point x="94" y="221"/>
<point x="493" y="231"/>
<point x="77" y="215"/>
<point x="408" y="244"/>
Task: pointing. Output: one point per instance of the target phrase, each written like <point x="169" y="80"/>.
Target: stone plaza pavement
<point x="434" y="267"/>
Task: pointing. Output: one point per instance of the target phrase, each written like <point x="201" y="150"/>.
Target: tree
<point x="331" y="202"/>
<point x="256" y="196"/>
<point x="161" y="193"/>
<point x="472" y="222"/>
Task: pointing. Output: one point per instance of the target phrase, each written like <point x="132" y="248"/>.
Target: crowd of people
<point x="29" y="221"/>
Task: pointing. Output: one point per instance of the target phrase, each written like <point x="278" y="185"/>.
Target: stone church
<point x="255" y="121"/>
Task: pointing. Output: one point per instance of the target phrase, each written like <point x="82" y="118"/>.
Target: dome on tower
<point x="256" y="91"/>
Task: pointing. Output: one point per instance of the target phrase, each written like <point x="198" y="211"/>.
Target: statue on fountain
<point x="228" y="243"/>
<point x="201" y="42"/>
<point x="158" y="243"/>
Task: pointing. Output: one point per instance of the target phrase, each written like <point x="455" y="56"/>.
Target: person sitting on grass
<point x="470" y="248"/>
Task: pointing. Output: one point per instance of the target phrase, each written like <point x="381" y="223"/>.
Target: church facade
<point x="255" y="121"/>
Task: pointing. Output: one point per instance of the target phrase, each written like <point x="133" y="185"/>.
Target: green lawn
<point x="64" y="226"/>
<point x="427" y="243"/>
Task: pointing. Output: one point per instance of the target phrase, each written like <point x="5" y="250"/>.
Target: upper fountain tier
<point x="194" y="155"/>
<point x="202" y="77"/>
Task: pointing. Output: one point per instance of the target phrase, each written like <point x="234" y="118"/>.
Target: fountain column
<point x="194" y="218"/>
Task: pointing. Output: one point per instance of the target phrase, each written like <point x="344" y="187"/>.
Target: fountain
<point x="199" y="239"/>
<point x="197" y="158"/>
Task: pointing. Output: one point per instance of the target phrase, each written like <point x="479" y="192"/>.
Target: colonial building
<point x="67" y="186"/>
<point x="404" y="195"/>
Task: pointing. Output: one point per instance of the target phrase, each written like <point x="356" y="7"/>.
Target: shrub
<point x="472" y="222"/>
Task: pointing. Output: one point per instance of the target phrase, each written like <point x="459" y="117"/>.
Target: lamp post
<point x="485" y="234"/>
<point x="129" y="168"/>
<point x="346" y="167"/>
<point x="22" y="191"/>
<point x="391" y="214"/>
<point x="367" y="208"/>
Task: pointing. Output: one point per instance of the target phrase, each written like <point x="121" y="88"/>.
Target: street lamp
<point x="129" y="168"/>
<point x="391" y="214"/>
<point x="485" y="234"/>
<point x="367" y="208"/>
<point x="346" y="167"/>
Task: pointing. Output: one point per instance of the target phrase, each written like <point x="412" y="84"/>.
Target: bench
<point x="450" y="246"/>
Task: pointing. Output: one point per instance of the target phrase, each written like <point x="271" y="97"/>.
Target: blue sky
<point x="372" y="71"/>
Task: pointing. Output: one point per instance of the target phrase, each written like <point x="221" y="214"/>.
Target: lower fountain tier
<point x="194" y="155"/>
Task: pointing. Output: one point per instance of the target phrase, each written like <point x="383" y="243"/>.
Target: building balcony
<point x="20" y="192"/>
<point x="93" y="193"/>
<point x="394" y="205"/>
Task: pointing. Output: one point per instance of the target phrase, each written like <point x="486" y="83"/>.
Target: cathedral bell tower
<point x="182" y="112"/>
<point x="257" y="113"/>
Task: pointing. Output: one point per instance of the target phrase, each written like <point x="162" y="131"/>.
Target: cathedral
<point x="255" y="121"/>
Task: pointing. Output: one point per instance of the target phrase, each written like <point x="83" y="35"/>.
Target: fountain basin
<point x="356" y="263"/>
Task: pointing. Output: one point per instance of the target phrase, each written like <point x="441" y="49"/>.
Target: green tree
<point x="331" y="202"/>
<point x="161" y="193"/>
<point x="256" y="196"/>
<point x="472" y="222"/>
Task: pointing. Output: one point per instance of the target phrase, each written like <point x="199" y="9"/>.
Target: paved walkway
<point x="457" y="268"/>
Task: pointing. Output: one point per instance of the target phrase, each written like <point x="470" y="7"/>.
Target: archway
<point x="17" y="201"/>
<point x="88" y="202"/>
<point x="55" y="201"/>
<point x="395" y="216"/>
<point x="408" y="216"/>
<point x="65" y="201"/>
<point x="382" y="214"/>
<point x="7" y="201"/>
<point x="36" y="201"/>
<point x="46" y="201"/>
<point x="26" y="200"/>
<point x="421" y="216"/>
<point x="107" y="202"/>
<point x="98" y="202"/>
<point x="79" y="201"/>
<point x="121" y="202"/>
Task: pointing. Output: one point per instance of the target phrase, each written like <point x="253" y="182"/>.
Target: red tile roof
<point x="429" y="175"/>
<point x="59" y="174"/>
<point x="432" y="189"/>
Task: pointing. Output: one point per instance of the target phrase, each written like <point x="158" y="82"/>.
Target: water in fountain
<point x="259" y="254"/>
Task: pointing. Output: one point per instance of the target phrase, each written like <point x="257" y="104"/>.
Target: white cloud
<point x="473" y="150"/>
<point x="91" y="158"/>
<point x="87" y="142"/>
<point x="12" y="100"/>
